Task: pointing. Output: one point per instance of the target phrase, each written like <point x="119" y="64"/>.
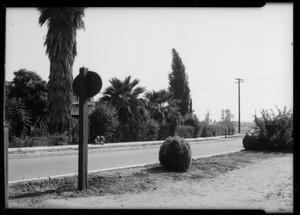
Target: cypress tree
<point x="178" y="83"/>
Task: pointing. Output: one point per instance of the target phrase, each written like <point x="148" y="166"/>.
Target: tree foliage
<point x="178" y="83"/>
<point x="103" y="121"/>
<point x="175" y="154"/>
<point x="275" y="131"/>
<point x="162" y="107"/>
<point x="60" y="43"/>
<point x="226" y="120"/>
<point x="192" y="120"/>
<point x="30" y="87"/>
<point x="18" y="118"/>
<point x="124" y="96"/>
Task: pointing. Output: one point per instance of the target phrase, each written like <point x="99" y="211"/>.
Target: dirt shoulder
<point x="243" y="180"/>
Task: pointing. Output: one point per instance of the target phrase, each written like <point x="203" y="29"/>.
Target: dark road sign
<point x="85" y="85"/>
<point x="92" y="84"/>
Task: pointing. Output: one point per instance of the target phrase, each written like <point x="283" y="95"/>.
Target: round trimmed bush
<point x="175" y="154"/>
<point x="250" y="142"/>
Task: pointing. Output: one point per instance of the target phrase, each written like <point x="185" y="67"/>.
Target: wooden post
<point x="83" y="135"/>
<point x="5" y="166"/>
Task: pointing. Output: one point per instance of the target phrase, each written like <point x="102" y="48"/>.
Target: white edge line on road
<point x="48" y="178"/>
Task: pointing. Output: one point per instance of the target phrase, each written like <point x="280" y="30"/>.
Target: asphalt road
<point x="26" y="168"/>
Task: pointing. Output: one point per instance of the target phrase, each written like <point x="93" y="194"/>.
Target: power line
<point x="267" y="78"/>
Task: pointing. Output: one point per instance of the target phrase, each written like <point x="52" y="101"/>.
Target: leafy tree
<point x="30" y="87"/>
<point x="192" y="120"/>
<point x="162" y="106"/>
<point x="124" y="96"/>
<point x="207" y="118"/>
<point x="226" y="118"/>
<point x="18" y="117"/>
<point x="60" y="41"/>
<point x="226" y="115"/>
<point x="164" y="109"/>
<point x="178" y="83"/>
<point x="103" y="121"/>
<point x="206" y="125"/>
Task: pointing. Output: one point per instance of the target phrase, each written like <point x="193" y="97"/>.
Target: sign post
<point x="5" y="166"/>
<point x="85" y="85"/>
<point x="83" y="134"/>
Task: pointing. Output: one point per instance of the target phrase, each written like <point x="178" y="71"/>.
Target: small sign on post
<point x="85" y="85"/>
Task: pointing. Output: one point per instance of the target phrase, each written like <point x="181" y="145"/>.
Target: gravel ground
<point x="243" y="180"/>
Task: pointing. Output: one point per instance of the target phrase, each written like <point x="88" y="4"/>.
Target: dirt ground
<point x="243" y="180"/>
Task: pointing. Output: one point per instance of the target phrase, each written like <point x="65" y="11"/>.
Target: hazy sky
<point x="216" y="45"/>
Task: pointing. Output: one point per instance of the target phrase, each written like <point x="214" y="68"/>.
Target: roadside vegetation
<point x="125" y="112"/>
<point x="175" y="154"/>
<point x="39" y="113"/>
<point x="273" y="132"/>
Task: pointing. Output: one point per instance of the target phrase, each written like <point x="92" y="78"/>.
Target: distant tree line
<point x="125" y="112"/>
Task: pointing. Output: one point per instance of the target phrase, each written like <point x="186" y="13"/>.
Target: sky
<point x="216" y="46"/>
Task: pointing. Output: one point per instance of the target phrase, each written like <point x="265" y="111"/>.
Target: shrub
<point x="148" y="131"/>
<point x="166" y="130"/>
<point x="250" y="141"/>
<point x="51" y="140"/>
<point x="205" y="130"/>
<point x="185" y="131"/>
<point x="74" y="132"/>
<point x="175" y="154"/>
<point x="219" y="129"/>
<point x="58" y="140"/>
<point x="17" y="142"/>
<point x="18" y="118"/>
<point x="40" y="129"/>
<point x="103" y="121"/>
<point x="274" y="132"/>
<point x="215" y="129"/>
<point x="192" y="120"/>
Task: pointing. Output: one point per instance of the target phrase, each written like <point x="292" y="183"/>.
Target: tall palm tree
<point x="61" y="49"/>
<point x="124" y="96"/>
<point x="163" y="107"/>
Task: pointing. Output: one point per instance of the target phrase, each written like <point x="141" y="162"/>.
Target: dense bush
<point x="192" y="120"/>
<point x="166" y="130"/>
<point x="219" y="129"/>
<point x="185" y="131"/>
<point x="40" y="129"/>
<point x="29" y="86"/>
<point x="175" y="154"/>
<point x="103" y="121"/>
<point x="148" y="131"/>
<point x="17" y="117"/>
<point x="250" y="141"/>
<point x="74" y="131"/>
<point x="227" y="126"/>
<point x="212" y="130"/>
<point x="274" y="131"/>
<point x="51" y="140"/>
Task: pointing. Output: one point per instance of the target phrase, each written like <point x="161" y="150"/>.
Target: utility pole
<point x="239" y="81"/>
